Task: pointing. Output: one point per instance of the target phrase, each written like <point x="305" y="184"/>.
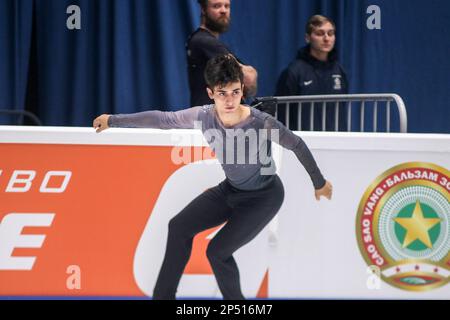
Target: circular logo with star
<point x="403" y="226"/>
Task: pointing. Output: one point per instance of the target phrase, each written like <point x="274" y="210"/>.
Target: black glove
<point x="266" y="104"/>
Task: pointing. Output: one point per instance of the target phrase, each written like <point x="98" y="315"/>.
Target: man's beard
<point x="220" y="25"/>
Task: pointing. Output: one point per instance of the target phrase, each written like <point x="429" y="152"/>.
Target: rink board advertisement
<point x="85" y="215"/>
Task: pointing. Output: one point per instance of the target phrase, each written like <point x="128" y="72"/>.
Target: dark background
<point x="129" y="55"/>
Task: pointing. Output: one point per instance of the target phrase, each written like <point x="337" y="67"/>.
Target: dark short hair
<point x="222" y="70"/>
<point x="316" y="21"/>
<point x="203" y="3"/>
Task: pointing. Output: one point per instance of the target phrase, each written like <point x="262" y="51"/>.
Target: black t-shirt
<point x="200" y="47"/>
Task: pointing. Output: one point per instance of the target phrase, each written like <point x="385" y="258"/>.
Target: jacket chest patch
<point x="337" y="82"/>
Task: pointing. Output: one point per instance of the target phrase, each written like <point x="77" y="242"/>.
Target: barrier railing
<point x="376" y="102"/>
<point x="21" y="114"/>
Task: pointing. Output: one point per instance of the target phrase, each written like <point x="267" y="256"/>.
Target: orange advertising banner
<point x="66" y="209"/>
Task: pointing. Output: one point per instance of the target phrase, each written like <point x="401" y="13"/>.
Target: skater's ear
<point x="210" y="93"/>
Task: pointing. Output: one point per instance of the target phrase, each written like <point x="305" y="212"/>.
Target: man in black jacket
<point x="316" y="71"/>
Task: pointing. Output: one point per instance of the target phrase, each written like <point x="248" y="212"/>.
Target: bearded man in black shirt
<point x="204" y="44"/>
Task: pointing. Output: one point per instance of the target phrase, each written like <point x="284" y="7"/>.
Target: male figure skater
<point x="251" y="194"/>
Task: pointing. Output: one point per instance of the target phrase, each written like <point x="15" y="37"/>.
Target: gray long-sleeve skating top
<point x="243" y="150"/>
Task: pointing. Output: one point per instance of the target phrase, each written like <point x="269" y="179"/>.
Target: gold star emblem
<point x="417" y="227"/>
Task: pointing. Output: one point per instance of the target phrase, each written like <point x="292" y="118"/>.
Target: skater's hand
<point x="326" y="191"/>
<point x="101" y="123"/>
